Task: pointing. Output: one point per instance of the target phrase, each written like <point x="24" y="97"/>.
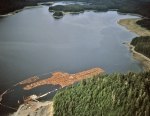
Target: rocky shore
<point x="131" y="25"/>
<point x="140" y="57"/>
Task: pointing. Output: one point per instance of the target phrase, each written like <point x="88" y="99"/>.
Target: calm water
<point x="32" y="42"/>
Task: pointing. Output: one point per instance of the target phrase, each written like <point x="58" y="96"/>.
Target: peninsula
<point x="131" y="25"/>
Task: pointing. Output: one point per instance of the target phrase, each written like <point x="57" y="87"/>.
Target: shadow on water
<point x="57" y="18"/>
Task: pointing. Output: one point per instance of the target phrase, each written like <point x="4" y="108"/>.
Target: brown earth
<point x="131" y="25"/>
<point x="140" y="57"/>
<point x="35" y="109"/>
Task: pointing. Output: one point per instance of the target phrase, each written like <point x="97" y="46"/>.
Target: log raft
<point x="29" y="80"/>
<point x="65" y="79"/>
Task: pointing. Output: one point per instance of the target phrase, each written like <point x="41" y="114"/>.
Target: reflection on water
<point x="69" y="3"/>
<point x="32" y="42"/>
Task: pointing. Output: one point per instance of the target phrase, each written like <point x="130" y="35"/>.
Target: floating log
<point x="65" y="79"/>
<point x="30" y="80"/>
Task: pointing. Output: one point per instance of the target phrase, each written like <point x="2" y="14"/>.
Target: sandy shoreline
<point x="39" y="5"/>
<point x="140" y="57"/>
<point x="131" y="25"/>
<point x="35" y="109"/>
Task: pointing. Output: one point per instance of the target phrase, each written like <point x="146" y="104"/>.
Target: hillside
<point x="7" y="6"/>
<point x="102" y="95"/>
<point x="123" y="6"/>
<point x="106" y="95"/>
<point x="142" y="45"/>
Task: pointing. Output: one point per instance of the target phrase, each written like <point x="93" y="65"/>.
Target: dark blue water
<point x="32" y="42"/>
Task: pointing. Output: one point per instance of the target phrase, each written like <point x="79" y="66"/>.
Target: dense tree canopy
<point x="106" y="95"/>
<point x="142" y="45"/>
<point x="133" y="6"/>
<point x="123" y="6"/>
<point x="58" y="13"/>
<point x="144" y="23"/>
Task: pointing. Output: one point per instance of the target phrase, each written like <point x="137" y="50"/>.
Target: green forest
<point x="123" y="6"/>
<point x="58" y="13"/>
<point x="144" y="23"/>
<point x="78" y="8"/>
<point x="141" y="7"/>
<point x="106" y="95"/>
<point x="103" y="95"/>
<point x="7" y="6"/>
<point x="127" y="6"/>
<point x="142" y="45"/>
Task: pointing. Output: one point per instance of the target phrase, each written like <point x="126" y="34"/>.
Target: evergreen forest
<point x="141" y="7"/>
<point x="106" y="95"/>
<point x="144" y="23"/>
<point x="123" y="6"/>
<point x="58" y="13"/>
<point x="142" y="45"/>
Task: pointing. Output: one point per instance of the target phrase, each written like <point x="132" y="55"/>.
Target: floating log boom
<point x="65" y="79"/>
<point x="30" y="80"/>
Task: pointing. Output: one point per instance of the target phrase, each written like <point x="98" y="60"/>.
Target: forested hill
<point x="123" y="6"/>
<point x="108" y="95"/>
<point x="134" y="6"/>
<point x="142" y="45"/>
<point x="7" y="6"/>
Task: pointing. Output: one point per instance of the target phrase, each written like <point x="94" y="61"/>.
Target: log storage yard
<point x="64" y="79"/>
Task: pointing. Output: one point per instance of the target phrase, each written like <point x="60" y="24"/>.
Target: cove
<point x="32" y="42"/>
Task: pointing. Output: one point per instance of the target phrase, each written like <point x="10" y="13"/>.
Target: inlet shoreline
<point x="140" y="57"/>
<point x="39" y="5"/>
<point x="131" y="25"/>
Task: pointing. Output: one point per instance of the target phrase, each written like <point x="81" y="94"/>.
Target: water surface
<point x="32" y="42"/>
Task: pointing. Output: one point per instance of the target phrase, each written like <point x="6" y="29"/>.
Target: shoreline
<point x="65" y="13"/>
<point x="16" y="11"/>
<point x="58" y="17"/>
<point x="131" y="14"/>
<point x="140" y="57"/>
<point x="35" y="109"/>
<point x="39" y="5"/>
<point x="130" y="24"/>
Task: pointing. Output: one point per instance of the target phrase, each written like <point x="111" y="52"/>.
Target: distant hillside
<point x="108" y="95"/>
<point x="133" y="6"/>
<point x="7" y="6"/>
<point x="123" y="6"/>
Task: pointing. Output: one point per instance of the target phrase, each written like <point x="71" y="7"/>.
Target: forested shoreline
<point x="7" y="6"/>
<point x="123" y="6"/>
<point x="103" y="95"/>
<point x="144" y="23"/>
<point x="142" y="45"/>
<point x="106" y="95"/>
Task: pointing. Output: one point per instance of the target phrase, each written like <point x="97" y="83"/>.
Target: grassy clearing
<point x="131" y="25"/>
